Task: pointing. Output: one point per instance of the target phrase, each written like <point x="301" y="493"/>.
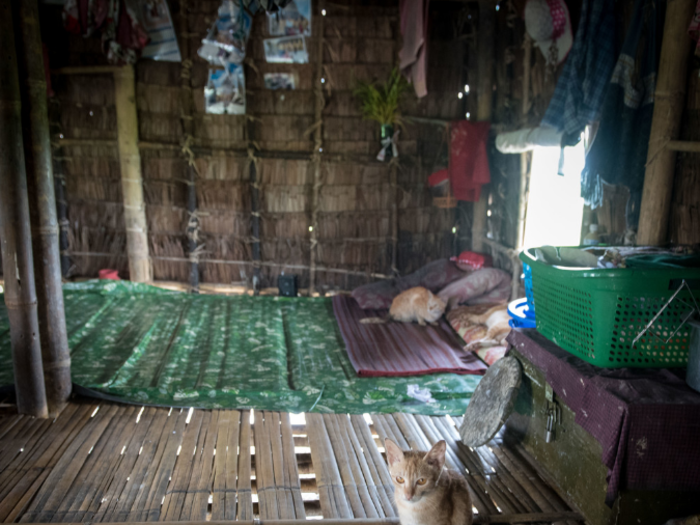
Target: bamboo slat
<point x="245" y="501"/>
<point x="376" y="465"/>
<point x="344" y="461"/>
<point x="226" y="466"/>
<point x="67" y="468"/>
<point x="290" y="466"/>
<point x="330" y="487"/>
<point x="264" y="470"/>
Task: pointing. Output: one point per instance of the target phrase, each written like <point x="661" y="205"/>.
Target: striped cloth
<point x="400" y="349"/>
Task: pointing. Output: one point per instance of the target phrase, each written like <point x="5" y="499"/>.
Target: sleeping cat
<point x="415" y="304"/>
<point x="426" y="493"/>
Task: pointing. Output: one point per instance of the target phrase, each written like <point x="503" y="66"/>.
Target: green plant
<point x="381" y="102"/>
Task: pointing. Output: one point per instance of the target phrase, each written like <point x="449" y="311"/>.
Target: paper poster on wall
<point x="285" y="81"/>
<point x="225" y="91"/>
<point x="295" y="19"/>
<point x="286" y="50"/>
<point x="162" y="43"/>
<point x="227" y="37"/>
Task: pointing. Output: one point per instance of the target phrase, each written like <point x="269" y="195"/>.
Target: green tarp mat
<point x="143" y="344"/>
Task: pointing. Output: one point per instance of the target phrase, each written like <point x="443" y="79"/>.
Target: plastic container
<point x="592" y="238"/>
<point x="521" y="316"/>
<point x="692" y="376"/>
<point x="596" y="314"/>
<point x="527" y="271"/>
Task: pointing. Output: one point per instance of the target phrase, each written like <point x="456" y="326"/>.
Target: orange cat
<point x="415" y="304"/>
<point x="425" y="492"/>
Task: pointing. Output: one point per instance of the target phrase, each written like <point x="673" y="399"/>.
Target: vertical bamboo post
<point x="15" y="233"/>
<point x="188" y="133"/>
<point x="42" y="211"/>
<point x="486" y="60"/>
<point x="393" y="173"/>
<point x="254" y="204"/>
<point x="61" y="211"/>
<point x="140" y="269"/>
<point x="524" y="172"/>
<point x="666" y="123"/>
<point x="318" y="148"/>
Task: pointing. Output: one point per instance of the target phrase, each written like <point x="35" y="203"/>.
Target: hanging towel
<point x="469" y="163"/>
<point x="413" y="54"/>
<point x="581" y="87"/>
<point x="619" y="152"/>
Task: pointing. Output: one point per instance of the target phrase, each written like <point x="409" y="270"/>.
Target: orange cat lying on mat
<point x="415" y="304"/>
<point x="426" y="493"/>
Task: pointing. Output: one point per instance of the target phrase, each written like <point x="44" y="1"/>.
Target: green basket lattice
<point x="596" y="314"/>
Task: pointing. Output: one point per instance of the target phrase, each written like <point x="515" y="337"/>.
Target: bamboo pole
<point x="485" y="47"/>
<point x="15" y="234"/>
<point x="665" y="126"/>
<point x="318" y="149"/>
<point x="393" y="168"/>
<point x="254" y="205"/>
<point x="140" y="269"/>
<point x="535" y="517"/>
<point x="188" y="132"/>
<point x="61" y="212"/>
<point x="42" y="210"/>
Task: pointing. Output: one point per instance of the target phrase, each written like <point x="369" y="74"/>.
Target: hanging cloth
<point x="586" y="74"/>
<point x="694" y="29"/>
<point x="413" y="54"/>
<point x="469" y="163"/>
<point x="619" y="152"/>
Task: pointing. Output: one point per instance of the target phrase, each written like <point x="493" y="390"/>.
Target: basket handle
<point x="683" y="284"/>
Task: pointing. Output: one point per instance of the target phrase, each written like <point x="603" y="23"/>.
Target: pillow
<point x="486" y="286"/>
<point x="433" y="276"/>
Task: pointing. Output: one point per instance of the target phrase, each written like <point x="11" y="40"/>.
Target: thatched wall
<point x="361" y="42"/>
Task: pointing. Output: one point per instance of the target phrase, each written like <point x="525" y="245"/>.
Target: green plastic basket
<point x="596" y="314"/>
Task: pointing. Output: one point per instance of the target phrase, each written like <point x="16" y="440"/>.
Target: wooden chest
<point x="572" y="460"/>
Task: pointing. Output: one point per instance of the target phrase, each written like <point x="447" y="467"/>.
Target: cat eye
<point x="421" y="481"/>
<point x="399" y="479"/>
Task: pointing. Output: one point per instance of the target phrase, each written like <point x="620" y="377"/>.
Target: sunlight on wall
<point x="555" y="206"/>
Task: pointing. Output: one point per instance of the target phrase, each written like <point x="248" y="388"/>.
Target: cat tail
<point x="373" y="320"/>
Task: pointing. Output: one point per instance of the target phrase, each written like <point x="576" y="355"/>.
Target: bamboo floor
<point x="102" y="462"/>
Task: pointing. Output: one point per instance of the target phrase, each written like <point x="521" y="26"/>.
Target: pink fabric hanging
<point x="694" y="29"/>
<point x="469" y="162"/>
<point x="413" y="54"/>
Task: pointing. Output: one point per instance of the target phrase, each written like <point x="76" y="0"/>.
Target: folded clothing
<point x="461" y="321"/>
<point x="486" y="286"/>
<point x="433" y="276"/>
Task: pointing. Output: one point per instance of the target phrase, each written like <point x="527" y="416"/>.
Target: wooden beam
<point x="535" y="517"/>
<point x="140" y="268"/>
<point x="42" y="209"/>
<point x="684" y="146"/>
<point x="320" y="103"/>
<point x="665" y="126"/>
<point x="486" y="60"/>
<point x="15" y="234"/>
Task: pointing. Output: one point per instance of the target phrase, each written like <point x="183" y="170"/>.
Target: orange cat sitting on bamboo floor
<point x="426" y="493"/>
<point x="415" y="304"/>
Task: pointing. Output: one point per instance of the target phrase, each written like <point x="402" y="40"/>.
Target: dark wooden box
<point x="572" y="461"/>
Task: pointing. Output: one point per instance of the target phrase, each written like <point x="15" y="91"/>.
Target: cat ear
<point x="393" y="453"/>
<point x="436" y="456"/>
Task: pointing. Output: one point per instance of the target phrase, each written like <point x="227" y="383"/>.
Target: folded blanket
<point x="471" y="333"/>
<point x="486" y="286"/>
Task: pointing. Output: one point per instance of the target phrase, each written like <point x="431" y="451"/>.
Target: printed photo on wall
<point x="294" y="19"/>
<point x="286" y="50"/>
<point x="162" y="43"/>
<point x="225" y="91"/>
<point x="280" y="81"/>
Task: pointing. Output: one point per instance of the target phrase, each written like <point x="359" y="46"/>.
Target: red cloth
<point x="400" y="349"/>
<point x="469" y="163"/>
<point x="109" y="274"/>
<point x="472" y="261"/>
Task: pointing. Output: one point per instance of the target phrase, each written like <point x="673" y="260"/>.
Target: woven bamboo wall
<point x="361" y="42"/>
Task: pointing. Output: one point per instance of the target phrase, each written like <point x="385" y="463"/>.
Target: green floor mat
<point x="147" y="345"/>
